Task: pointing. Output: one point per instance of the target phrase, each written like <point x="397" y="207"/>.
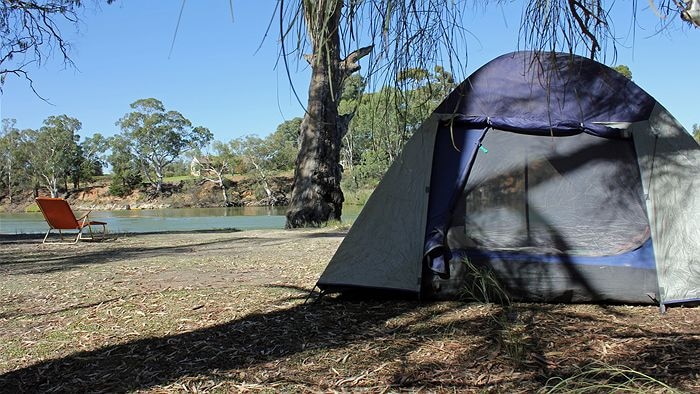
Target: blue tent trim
<point x="639" y="258"/>
<point x="537" y="127"/>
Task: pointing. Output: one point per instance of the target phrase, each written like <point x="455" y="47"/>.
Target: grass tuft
<point x="603" y="378"/>
<point x="482" y="285"/>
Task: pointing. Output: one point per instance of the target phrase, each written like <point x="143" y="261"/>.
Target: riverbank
<point x="185" y="193"/>
<point x="228" y="312"/>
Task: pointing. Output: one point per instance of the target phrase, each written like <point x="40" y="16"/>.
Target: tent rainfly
<point x="557" y="173"/>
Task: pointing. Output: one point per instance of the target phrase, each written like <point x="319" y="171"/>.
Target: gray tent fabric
<point x="669" y="161"/>
<point x="394" y="215"/>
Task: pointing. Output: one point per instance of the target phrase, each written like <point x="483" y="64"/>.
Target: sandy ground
<point x="191" y="259"/>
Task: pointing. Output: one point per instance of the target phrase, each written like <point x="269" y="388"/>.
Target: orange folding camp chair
<point x="60" y="216"/>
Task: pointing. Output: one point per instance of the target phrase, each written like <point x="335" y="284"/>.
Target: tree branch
<point x="573" y="4"/>
<point x="351" y="63"/>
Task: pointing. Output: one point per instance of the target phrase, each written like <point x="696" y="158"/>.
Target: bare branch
<point x="351" y="63"/>
<point x="29" y="32"/>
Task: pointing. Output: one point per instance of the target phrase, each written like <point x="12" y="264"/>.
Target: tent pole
<point x="527" y="203"/>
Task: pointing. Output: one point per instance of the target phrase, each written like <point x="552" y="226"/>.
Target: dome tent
<point x="557" y="173"/>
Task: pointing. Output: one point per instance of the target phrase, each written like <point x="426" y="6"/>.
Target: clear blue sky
<point x="220" y="76"/>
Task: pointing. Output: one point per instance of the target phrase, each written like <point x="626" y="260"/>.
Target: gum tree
<point x="157" y="137"/>
<point x="13" y="158"/>
<point x="54" y="148"/>
<point x="334" y="35"/>
<point x="213" y="167"/>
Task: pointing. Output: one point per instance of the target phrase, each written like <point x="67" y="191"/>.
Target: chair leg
<point x="46" y="236"/>
<point x="63" y="239"/>
<point x="93" y="234"/>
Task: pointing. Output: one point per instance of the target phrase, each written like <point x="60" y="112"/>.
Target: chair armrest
<point x="84" y="219"/>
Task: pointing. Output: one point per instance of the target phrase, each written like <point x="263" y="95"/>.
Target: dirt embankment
<point x="183" y="194"/>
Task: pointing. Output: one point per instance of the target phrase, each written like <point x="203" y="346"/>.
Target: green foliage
<point x="624" y="70"/>
<point x="94" y="149"/>
<point x="126" y="168"/>
<point x="32" y="208"/>
<point x="383" y="121"/>
<point x="14" y="154"/>
<point x="284" y="145"/>
<point x="157" y="137"/>
<point x="50" y="156"/>
<point x="56" y="154"/>
<point x="121" y="185"/>
<point x="179" y="168"/>
<point x="179" y="178"/>
<point x="696" y="132"/>
<point x="287" y="133"/>
<point x="355" y="195"/>
<point x="273" y="153"/>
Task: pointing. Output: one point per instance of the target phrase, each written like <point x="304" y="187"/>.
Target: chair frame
<point x="80" y="224"/>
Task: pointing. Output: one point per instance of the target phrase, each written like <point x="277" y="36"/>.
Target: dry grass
<point x="225" y="312"/>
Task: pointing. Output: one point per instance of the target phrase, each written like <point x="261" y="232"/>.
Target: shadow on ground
<point x="403" y="344"/>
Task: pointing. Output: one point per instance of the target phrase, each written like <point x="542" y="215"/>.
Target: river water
<point x="158" y="220"/>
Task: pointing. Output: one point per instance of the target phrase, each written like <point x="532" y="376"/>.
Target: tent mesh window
<point x="578" y="195"/>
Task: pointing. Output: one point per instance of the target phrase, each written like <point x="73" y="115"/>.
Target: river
<point x="157" y="220"/>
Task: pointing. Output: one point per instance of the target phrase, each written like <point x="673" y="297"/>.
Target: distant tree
<point x="283" y="145"/>
<point x="77" y="168"/>
<point x="696" y="132"/>
<point x="258" y="159"/>
<point x="624" y="70"/>
<point x="54" y="149"/>
<point x="288" y="132"/>
<point x="179" y="167"/>
<point x="212" y="165"/>
<point x="157" y="137"/>
<point x="126" y="170"/>
<point x="94" y="152"/>
<point x="386" y="119"/>
<point x="13" y="158"/>
<point x="347" y="108"/>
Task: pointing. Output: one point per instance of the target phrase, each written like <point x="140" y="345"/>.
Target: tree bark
<point x="316" y="194"/>
<point x="227" y="202"/>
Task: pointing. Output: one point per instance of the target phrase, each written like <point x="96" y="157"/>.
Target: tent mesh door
<point x="578" y="195"/>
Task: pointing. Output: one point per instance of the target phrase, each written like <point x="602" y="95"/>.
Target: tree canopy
<point x="156" y="137"/>
<point x="624" y="70"/>
<point x="55" y="150"/>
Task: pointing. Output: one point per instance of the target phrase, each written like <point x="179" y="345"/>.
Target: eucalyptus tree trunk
<point x="51" y="184"/>
<point x="262" y="179"/>
<point x="316" y="194"/>
<point x="224" y="191"/>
